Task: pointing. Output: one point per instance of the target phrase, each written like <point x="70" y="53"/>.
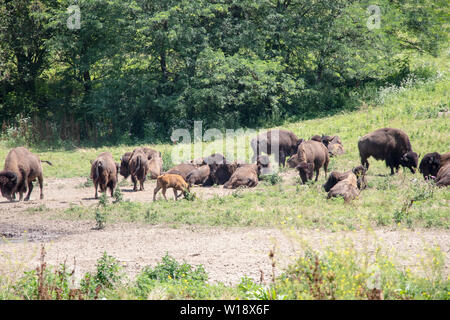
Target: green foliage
<point x="137" y="69"/>
<point x="107" y="276"/>
<point x="272" y="179"/>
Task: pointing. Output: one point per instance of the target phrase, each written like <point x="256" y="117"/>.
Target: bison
<point x="312" y="156"/>
<point x="347" y="184"/>
<point x="182" y="169"/>
<point x="138" y="166"/>
<point x="265" y="142"/>
<point x="174" y="181"/>
<point x="391" y="145"/>
<point x="104" y="173"/>
<point x="198" y="176"/>
<point x="222" y="172"/>
<point x="333" y="144"/>
<point x="124" y="168"/>
<point x="21" y="168"/>
<point x="245" y="175"/>
<point x="155" y="166"/>
<point x="436" y="165"/>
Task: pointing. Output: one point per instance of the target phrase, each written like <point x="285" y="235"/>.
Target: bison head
<point x="332" y="180"/>
<point x="429" y="166"/>
<point x="306" y="171"/>
<point x="263" y="164"/>
<point x="8" y="181"/>
<point x="293" y="161"/>
<point x="410" y="160"/>
<point x="360" y="173"/>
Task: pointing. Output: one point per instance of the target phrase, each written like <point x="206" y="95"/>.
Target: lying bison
<point x="244" y="176"/>
<point x="104" y="173"/>
<point x="198" y="176"/>
<point x="174" y="181"/>
<point x="436" y="165"/>
<point x="182" y="169"/>
<point x="21" y="168"/>
<point x="347" y="184"/>
<point x="391" y="145"/>
<point x="266" y="142"/>
<point x="312" y="156"/>
<point x="138" y="166"/>
<point x="222" y="172"/>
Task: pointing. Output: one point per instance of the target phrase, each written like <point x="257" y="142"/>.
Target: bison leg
<point x="175" y="194"/>
<point x="141" y="183"/>
<point x="164" y="193"/>
<point x="392" y="171"/>
<point x="155" y="192"/>
<point x="365" y="163"/>
<point x="41" y="186"/>
<point x="317" y="174"/>
<point x="96" y="187"/>
<point x="282" y="159"/>
<point x="30" y="188"/>
<point x="21" y="195"/>
<point x="133" y="178"/>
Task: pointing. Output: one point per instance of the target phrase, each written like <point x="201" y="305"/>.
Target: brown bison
<point x="182" y="169"/>
<point x="155" y="165"/>
<point x="265" y="142"/>
<point x="174" y="181"/>
<point x="333" y="144"/>
<point x="124" y="168"/>
<point x="222" y="172"/>
<point x="438" y="166"/>
<point x="312" y="156"/>
<point x="104" y="173"/>
<point x="151" y="153"/>
<point x="21" y="168"/>
<point x="138" y="166"/>
<point x="293" y="161"/>
<point x="391" y="145"/>
<point x="245" y="175"/>
<point x="198" y="176"/>
<point x="347" y="184"/>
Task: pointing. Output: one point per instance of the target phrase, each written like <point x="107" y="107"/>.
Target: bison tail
<point x="47" y="162"/>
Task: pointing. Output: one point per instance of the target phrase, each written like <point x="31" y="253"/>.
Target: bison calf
<point x="21" y="168"/>
<point x="104" y="173"/>
<point x="174" y="181"/>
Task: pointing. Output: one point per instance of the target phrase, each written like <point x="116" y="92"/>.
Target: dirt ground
<point x="226" y="253"/>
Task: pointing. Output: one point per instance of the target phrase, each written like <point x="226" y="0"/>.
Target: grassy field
<point x="413" y="107"/>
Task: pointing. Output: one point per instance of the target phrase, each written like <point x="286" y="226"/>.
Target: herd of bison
<point x="307" y="156"/>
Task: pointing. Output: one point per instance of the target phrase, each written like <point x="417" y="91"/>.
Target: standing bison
<point x="286" y="141"/>
<point x="311" y="156"/>
<point x="21" y="168"/>
<point x="391" y="145"/>
<point x="436" y="165"/>
<point x="138" y="166"/>
<point x="104" y="173"/>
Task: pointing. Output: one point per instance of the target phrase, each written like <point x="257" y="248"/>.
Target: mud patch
<point x="17" y="233"/>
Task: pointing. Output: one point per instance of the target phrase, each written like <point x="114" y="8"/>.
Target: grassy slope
<point x="412" y="108"/>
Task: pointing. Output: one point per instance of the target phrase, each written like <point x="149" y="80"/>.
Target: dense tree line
<point x="135" y="69"/>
